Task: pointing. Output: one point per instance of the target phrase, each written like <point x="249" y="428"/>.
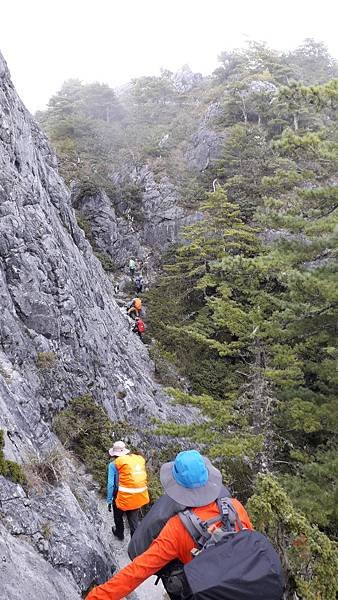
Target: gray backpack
<point x="230" y="564"/>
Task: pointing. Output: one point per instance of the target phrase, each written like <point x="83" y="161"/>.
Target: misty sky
<point x="46" y="42"/>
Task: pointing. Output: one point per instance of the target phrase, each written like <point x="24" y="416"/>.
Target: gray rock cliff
<point x="121" y="234"/>
<point x="55" y="298"/>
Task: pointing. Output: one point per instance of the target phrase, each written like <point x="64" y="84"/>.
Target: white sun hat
<point x="119" y="449"/>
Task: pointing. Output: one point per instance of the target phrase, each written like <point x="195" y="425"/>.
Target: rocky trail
<point x="146" y="591"/>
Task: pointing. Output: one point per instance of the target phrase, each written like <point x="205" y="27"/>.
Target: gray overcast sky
<point x="46" y="42"/>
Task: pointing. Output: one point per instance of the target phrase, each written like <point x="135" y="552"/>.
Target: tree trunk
<point x="261" y="402"/>
<point x="244" y="112"/>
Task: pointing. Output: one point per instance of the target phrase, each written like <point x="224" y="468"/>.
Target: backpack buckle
<point x="224" y="507"/>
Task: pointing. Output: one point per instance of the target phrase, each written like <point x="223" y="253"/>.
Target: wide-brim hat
<point x="119" y="449"/>
<point x="195" y="496"/>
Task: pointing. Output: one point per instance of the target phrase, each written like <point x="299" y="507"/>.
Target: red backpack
<point x="140" y="326"/>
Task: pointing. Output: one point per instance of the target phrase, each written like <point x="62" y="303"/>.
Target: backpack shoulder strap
<point x="199" y="530"/>
<point x="229" y="514"/>
<point x="194" y="526"/>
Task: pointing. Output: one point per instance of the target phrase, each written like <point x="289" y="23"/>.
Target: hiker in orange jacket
<point x="134" y="308"/>
<point x="127" y="487"/>
<point x="192" y="481"/>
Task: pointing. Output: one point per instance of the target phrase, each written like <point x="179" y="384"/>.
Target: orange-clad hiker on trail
<point x="134" y="307"/>
<point x="127" y="489"/>
<point x="191" y="481"/>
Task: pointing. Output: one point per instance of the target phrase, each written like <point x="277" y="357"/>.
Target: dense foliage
<point x="251" y="319"/>
<point x="96" y="133"/>
<point x="151" y="121"/>
<point x="308" y="557"/>
<point x="253" y="326"/>
<point x="245" y="309"/>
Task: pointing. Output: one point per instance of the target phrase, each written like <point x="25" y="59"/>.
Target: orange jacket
<point x="173" y="542"/>
<point x="132" y="490"/>
<point x="138" y="303"/>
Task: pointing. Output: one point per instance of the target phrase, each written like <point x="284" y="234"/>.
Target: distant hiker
<point x="127" y="487"/>
<point x="139" y="284"/>
<point x="132" y="267"/>
<point x="139" y="328"/>
<point x="134" y="308"/>
<point x="196" y="524"/>
<point x="116" y="288"/>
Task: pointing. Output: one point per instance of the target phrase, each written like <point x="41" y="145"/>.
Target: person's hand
<point x="109" y="506"/>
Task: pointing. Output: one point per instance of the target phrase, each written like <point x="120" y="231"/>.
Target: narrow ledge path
<point x="146" y="591"/>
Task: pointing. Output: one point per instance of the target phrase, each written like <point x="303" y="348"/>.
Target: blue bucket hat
<point x="191" y="479"/>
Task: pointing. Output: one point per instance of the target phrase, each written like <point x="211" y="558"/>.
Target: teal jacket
<point x="112" y="482"/>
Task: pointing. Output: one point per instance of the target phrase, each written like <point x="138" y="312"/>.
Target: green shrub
<point x="47" y="530"/>
<point x="85" y="226"/>
<point x="221" y="412"/>
<point x="9" y="469"/>
<point x="91" y="186"/>
<point x="106" y="262"/>
<point x="154" y="485"/>
<point x="131" y="194"/>
<point x="46" y="360"/>
<point x="222" y="437"/>
<point x="165" y="370"/>
<point x="307" y="554"/>
<point x="86" y="187"/>
<point x="316" y="479"/>
<point x="85" y="429"/>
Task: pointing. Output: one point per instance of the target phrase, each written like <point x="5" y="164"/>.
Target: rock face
<point x="158" y="216"/>
<point x="184" y="79"/>
<point x="206" y="143"/>
<point x="50" y="520"/>
<point x="61" y="335"/>
<point x="24" y="571"/>
<point x="146" y="234"/>
<point x="99" y="212"/>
